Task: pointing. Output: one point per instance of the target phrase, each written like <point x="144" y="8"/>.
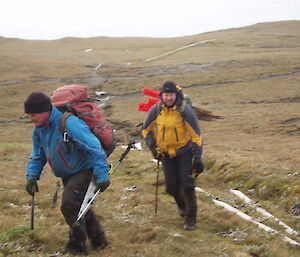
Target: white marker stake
<point x="265" y="213"/>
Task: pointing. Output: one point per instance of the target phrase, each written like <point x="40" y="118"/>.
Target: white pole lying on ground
<point x="265" y="213"/>
<point x="178" y="49"/>
<point x="252" y="220"/>
<point x="247" y="217"/>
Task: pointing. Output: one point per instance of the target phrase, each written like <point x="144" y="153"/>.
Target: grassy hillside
<point x="250" y="75"/>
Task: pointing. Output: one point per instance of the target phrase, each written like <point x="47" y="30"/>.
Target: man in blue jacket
<point x="75" y="163"/>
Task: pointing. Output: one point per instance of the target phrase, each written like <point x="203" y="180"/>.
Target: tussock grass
<point x="19" y="241"/>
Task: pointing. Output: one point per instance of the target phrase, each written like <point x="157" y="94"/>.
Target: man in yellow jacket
<point x="172" y="133"/>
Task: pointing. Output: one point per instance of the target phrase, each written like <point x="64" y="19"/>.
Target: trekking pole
<point x="84" y="209"/>
<point x="129" y="146"/>
<point x="32" y="212"/>
<point x="156" y="189"/>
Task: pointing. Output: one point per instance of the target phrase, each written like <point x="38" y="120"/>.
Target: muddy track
<point x="113" y="98"/>
<point x="246" y="80"/>
<point x="120" y="73"/>
<point x="96" y="80"/>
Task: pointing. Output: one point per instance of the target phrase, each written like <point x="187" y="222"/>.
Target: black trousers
<point x="75" y="188"/>
<point x="180" y="184"/>
<point x="178" y="173"/>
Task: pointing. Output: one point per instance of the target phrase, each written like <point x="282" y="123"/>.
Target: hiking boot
<point x="189" y="223"/>
<point x="190" y="210"/>
<point x="189" y="227"/>
<point x="99" y="243"/>
<point x="78" y="249"/>
<point x="76" y="244"/>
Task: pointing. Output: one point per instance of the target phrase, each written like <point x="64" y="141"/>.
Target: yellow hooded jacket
<point x="171" y="131"/>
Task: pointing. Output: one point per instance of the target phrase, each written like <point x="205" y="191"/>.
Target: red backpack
<point x="73" y="99"/>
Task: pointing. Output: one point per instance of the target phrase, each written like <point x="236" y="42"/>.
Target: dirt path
<point x="96" y="79"/>
<point x="109" y="98"/>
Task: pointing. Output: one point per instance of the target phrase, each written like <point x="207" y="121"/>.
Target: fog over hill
<point x="132" y="18"/>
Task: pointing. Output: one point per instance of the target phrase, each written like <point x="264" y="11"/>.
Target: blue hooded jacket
<point x="48" y="146"/>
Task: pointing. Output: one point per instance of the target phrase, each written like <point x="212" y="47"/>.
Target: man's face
<point x="169" y="98"/>
<point x="39" y="119"/>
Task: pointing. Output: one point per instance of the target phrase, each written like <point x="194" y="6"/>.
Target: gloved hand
<point x="157" y="154"/>
<point x="32" y="186"/>
<point x="198" y="167"/>
<point x="102" y="186"/>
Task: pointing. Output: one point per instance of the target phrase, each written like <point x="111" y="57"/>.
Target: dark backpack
<point x="73" y="99"/>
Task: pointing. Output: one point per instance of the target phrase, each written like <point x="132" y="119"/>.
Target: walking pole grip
<point x="129" y="146"/>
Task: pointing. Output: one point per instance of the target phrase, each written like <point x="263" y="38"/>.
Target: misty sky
<point x="45" y="19"/>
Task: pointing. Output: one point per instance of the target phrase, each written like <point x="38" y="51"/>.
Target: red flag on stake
<point x="144" y="107"/>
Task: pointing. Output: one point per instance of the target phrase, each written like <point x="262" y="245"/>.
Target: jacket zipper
<point x="176" y="134"/>
<point x="63" y="158"/>
<point x="164" y="129"/>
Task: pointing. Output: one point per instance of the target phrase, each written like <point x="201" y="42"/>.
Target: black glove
<point x="32" y="186"/>
<point x="198" y="166"/>
<point x="102" y="186"/>
<point x="157" y="154"/>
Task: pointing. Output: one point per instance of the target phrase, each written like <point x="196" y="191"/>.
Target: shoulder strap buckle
<point x="67" y="144"/>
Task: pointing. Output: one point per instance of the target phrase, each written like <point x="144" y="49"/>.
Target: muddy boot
<point x="76" y="244"/>
<point x="190" y="209"/>
<point x="75" y="249"/>
<point x="95" y="231"/>
<point x="180" y="204"/>
<point x="100" y="242"/>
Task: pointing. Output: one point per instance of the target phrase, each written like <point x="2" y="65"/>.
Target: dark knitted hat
<point x="37" y="102"/>
<point x="169" y="87"/>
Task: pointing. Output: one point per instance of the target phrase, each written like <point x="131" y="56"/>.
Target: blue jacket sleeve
<point x="37" y="159"/>
<point x="86" y="141"/>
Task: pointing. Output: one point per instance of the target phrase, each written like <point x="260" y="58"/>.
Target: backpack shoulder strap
<point x="68" y="143"/>
<point x="158" y="110"/>
<point x="63" y="120"/>
<point x="182" y="107"/>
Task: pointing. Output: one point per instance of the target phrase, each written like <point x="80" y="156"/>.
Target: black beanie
<point x="169" y="87"/>
<point x="37" y="102"/>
